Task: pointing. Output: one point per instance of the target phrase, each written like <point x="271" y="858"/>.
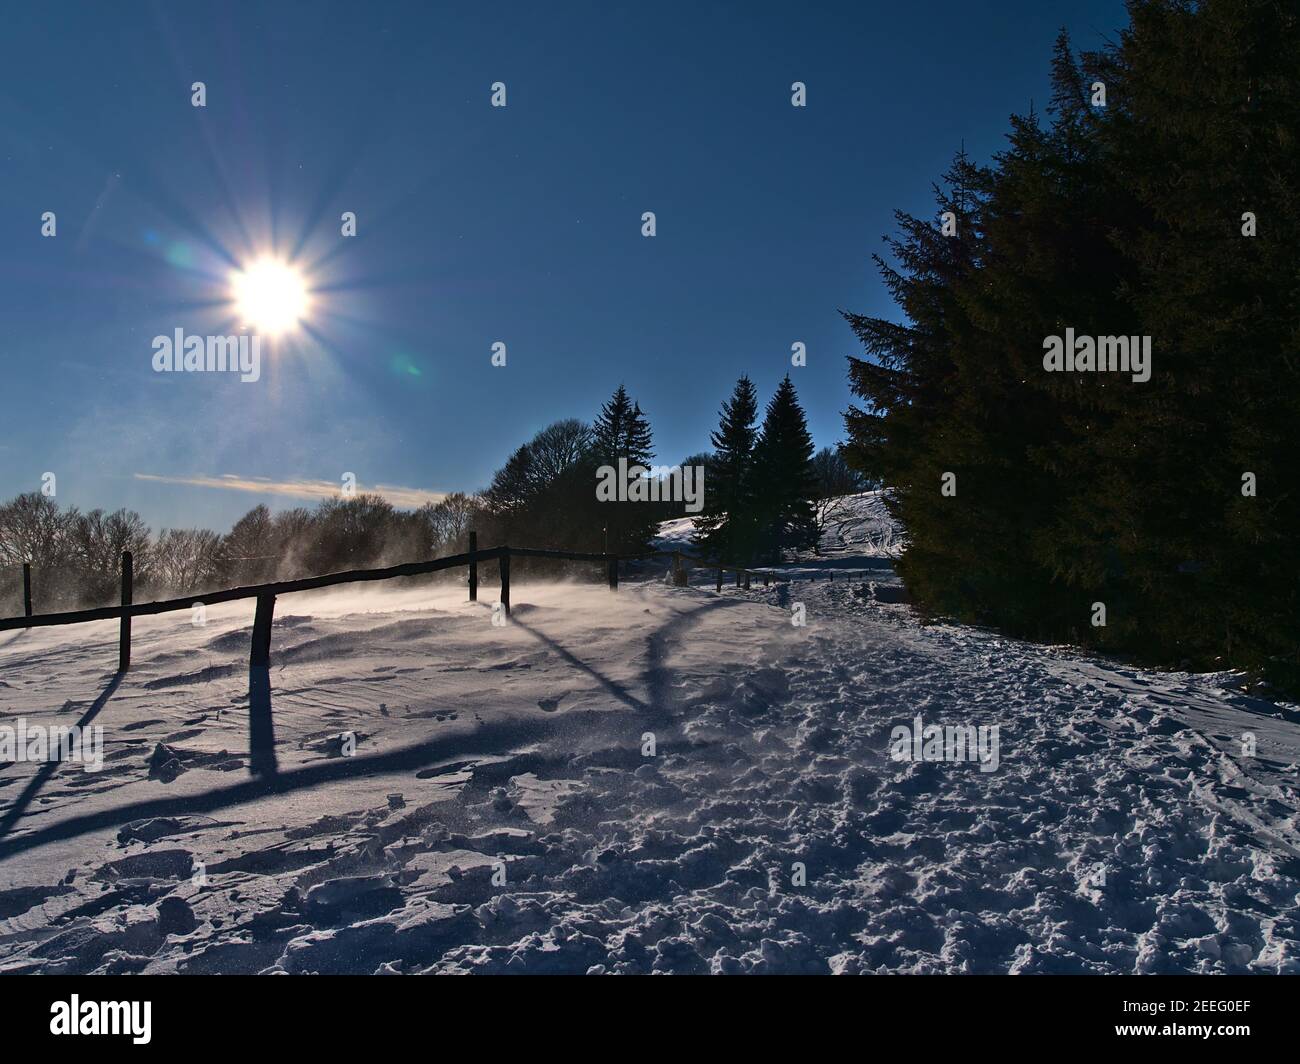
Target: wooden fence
<point x="265" y="594"/>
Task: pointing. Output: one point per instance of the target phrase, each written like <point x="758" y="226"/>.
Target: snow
<point x="854" y="526"/>
<point x="500" y="812"/>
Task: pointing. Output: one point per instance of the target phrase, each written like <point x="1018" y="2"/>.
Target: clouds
<point x="401" y="497"/>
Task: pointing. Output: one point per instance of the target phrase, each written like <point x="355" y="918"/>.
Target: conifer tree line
<point x="1167" y="206"/>
<point x="764" y="480"/>
<point x="543" y="496"/>
<point x="760" y="482"/>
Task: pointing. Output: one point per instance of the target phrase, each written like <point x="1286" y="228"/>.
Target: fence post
<point x="261" y="652"/>
<point x="27" y="589"/>
<point x="613" y="572"/>
<point x="124" y="633"/>
<point x="473" y="568"/>
<point x="719" y="579"/>
<point x="505" y="579"/>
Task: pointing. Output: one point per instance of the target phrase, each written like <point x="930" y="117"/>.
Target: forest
<point x="1153" y="514"/>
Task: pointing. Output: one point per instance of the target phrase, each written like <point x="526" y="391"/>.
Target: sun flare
<point x="270" y="296"/>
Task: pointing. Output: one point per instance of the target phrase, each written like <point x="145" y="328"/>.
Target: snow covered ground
<point x="854" y="526"/>
<point x="662" y="779"/>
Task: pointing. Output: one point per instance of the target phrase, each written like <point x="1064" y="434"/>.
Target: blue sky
<point x="475" y="224"/>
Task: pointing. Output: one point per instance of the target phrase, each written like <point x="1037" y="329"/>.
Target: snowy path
<point x="1122" y="832"/>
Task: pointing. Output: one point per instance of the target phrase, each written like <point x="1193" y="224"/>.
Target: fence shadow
<point x="20" y="805"/>
<point x="655" y="676"/>
<point x="261" y="724"/>
<point x="263" y="767"/>
<point x="488" y="738"/>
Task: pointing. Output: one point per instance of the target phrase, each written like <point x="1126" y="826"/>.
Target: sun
<point x="270" y="296"/>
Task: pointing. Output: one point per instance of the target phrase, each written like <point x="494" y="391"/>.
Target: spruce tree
<point x="989" y="458"/>
<point x="1211" y="95"/>
<point x="639" y="440"/>
<point x="783" y="477"/>
<point x="622" y="431"/>
<point x="726" y="529"/>
<point x="907" y="436"/>
<point x="1172" y="213"/>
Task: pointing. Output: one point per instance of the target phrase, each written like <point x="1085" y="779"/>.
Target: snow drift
<point x="658" y="780"/>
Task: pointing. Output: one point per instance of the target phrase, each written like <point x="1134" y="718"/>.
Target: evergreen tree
<point x="1130" y="220"/>
<point x="783" y="477"/>
<point x="990" y="500"/>
<point x="622" y="431"/>
<point x="1215" y="567"/>
<point x="908" y="436"/>
<point x="726" y="529"/>
<point x="639" y="440"/>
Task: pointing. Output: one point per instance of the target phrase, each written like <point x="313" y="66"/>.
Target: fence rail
<point x="266" y="594"/>
<point x="279" y="587"/>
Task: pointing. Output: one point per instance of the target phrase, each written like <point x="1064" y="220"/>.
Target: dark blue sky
<point x="476" y="224"/>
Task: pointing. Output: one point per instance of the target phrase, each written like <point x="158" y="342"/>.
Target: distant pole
<point x="261" y="651"/>
<point x="679" y="570"/>
<point x="124" y="634"/>
<point x="505" y="579"/>
<point x="606" y="531"/>
<point x="473" y="568"/>
<point x="613" y="573"/>
<point x="27" y="589"/>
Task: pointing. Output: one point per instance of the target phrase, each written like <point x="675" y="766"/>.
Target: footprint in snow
<point x="549" y="705"/>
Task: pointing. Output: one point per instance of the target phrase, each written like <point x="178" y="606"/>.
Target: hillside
<point x="504" y="811"/>
<point x="854" y="526"/>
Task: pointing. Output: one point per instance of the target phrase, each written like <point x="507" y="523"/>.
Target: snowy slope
<point x="856" y="525"/>
<point x="1123" y="830"/>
